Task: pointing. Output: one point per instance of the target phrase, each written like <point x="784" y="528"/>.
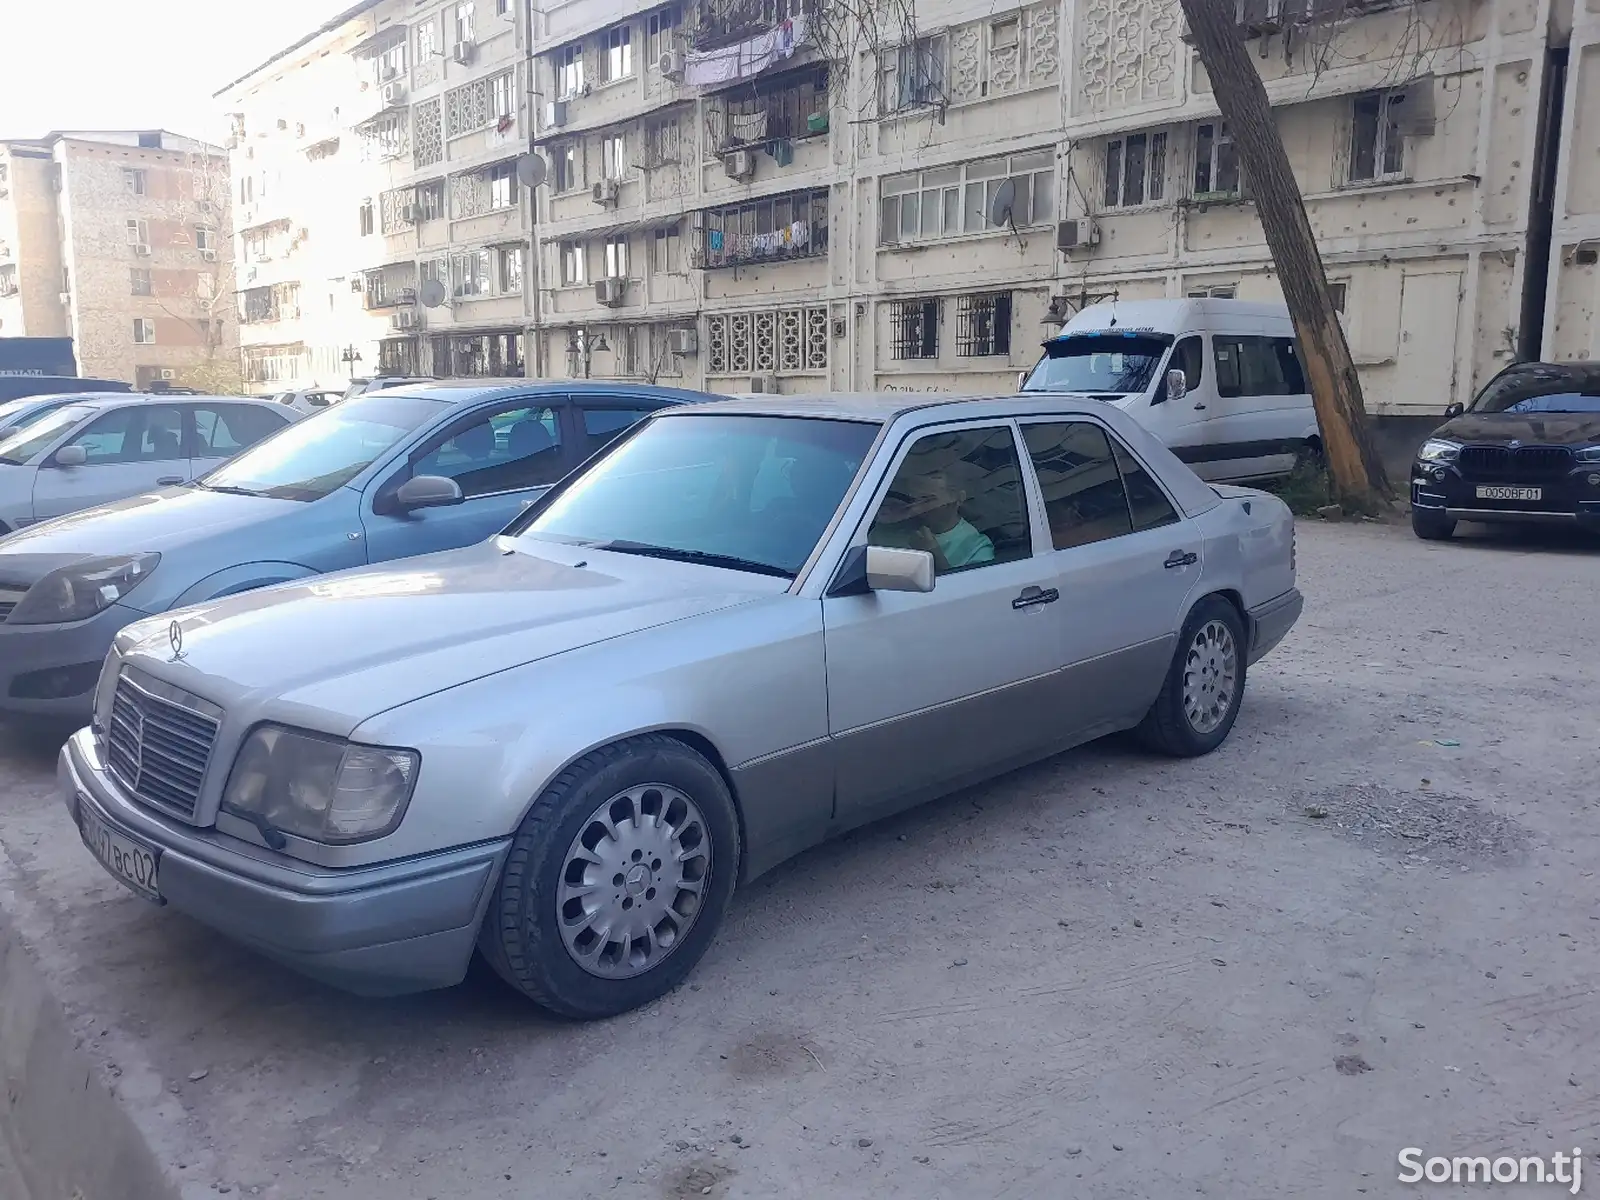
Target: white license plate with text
<point x="133" y="863"/>
<point x="1510" y="493"/>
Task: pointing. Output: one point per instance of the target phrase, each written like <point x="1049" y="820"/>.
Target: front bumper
<point x="1565" y="499"/>
<point x="50" y="670"/>
<point x="1270" y="622"/>
<point x="382" y="930"/>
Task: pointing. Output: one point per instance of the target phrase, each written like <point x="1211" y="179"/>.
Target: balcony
<point x="265" y="305"/>
<point x="721" y="23"/>
<point x="773" y="230"/>
<point x="787" y="107"/>
<point x="391" y="286"/>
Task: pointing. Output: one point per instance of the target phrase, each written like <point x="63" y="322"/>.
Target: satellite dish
<point x="431" y="293"/>
<point x="1004" y="201"/>
<point x="531" y="170"/>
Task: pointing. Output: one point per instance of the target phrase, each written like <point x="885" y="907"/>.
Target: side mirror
<point x="1177" y="384"/>
<point x="893" y="570"/>
<point x="1455" y="410"/>
<point x="427" y="491"/>
<point x="71" y="456"/>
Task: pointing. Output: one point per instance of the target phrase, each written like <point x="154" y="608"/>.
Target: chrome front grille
<point x="159" y="742"/>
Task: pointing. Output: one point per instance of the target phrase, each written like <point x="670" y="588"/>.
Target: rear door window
<point x="222" y="430"/>
<point x="603" y="424"/>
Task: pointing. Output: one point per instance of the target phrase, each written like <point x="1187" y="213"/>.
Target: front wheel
<point x="616" y="880"/>
<point x="1431" y="526"/>
<point x="1204" y="686"/>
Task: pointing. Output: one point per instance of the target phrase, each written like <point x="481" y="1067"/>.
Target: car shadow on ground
<point x="1559" y="539"/>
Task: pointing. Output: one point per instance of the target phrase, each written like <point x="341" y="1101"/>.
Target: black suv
<point x="1528" y="449"/>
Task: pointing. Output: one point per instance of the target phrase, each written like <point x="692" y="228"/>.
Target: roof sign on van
<point x="1129" y="331"/>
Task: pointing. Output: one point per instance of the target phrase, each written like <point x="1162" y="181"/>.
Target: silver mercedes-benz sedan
<point x="745" y="627"/>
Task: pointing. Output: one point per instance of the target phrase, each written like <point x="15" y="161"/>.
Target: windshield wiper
<point x="704" y="557"/>
<point x="225" y="489"/>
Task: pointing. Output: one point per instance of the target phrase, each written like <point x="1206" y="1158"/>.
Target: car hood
<point x="153" y="521"/>
<point x="338" y="649"/>
<point x="1544" y="429"/>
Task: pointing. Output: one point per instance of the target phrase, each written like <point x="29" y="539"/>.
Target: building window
<point x="144" y="331"/>
<point x="574" y="263"/>
<point x="791" y="106"/>
<point x="1216" y="160"/>
<point x="205" y="239"/>
<point x="434" y="270"/>
<point x="1214" y="291"/>
<point x="471" y="273"/>
<point x="503" y="98"/>
<point x="661" y="29"/>
<point x="502" y="185"/>
<point x="430" y="200"/>
<point x="660" y="144"/>
<point x="502" y="8"/>
<point x="366" y="221"/>
<point x="914" y="328"/>
<point x="666" y="257"/>
<point x="913" y="75"/>
<point x="428" y="40"/>
<point x="784" y="341"/>
<point x="616" y="258"/>
<point x="613" y="156"/>
<point x="793" y="226"/>
<point x="567" y="174"/>
<point x="508" y="266"/>
<point x="390" y="63"/>
<point x="983" y="325"/>
<point x="616" y="54"/>
<point x="139" y="281"/>
<point x="464" y="18"/>
<point x="135" y="182"/>
<point x="1136" y="170"/>
<point x="1377" y="146"/>
<point x="947" y="201"/>
<point x="138" y="233"/>
<point x="382" y="139"/>
<point x="1336" y="293"/>
<point x="569" y="70"/>
<point x="247" y="189"/>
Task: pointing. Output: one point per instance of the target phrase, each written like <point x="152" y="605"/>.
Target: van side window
<point x="1257" y="366"/>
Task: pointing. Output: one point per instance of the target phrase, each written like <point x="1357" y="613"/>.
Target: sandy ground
<point x="1368" y="922"/>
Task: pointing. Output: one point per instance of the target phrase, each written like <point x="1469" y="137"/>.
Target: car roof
<point x="125" y="399"/>
<point x="463" y="391"/>
<point x="883" y="407"/>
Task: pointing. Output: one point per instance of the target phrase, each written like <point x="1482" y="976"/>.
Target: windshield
<point x="1098" y="362"/>
<point x="314" y="456"/>
<point x="1555" y="402"/>
<point x="749" y="492"/>
<point x="19" y="445"/>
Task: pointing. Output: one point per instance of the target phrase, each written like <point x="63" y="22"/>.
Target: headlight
<point x="1438" y="450"/>
<point x="105" y="691"/>
<point x="318" y="787"/>
<point x="1589" y="454"/>
<point x="80" y="591"/>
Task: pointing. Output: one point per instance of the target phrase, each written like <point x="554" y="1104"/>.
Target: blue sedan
<point x="378" y="477"/>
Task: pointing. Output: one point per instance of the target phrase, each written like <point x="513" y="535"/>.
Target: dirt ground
<point x="1368" y="922"/>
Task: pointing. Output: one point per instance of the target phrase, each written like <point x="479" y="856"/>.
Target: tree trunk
<point x="1358" y="475"/>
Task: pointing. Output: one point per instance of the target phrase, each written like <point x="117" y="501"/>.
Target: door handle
<point x="1180" y="558"/>
<point x="1033" y="595"/>
<point x="1199" y="407"/>
<point x="169" y="480"/>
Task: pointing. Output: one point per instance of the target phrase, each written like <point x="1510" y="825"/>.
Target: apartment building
<point x="119" y="240"/>
<point x="382" y="223"/>
<point x="1573" y="305"/>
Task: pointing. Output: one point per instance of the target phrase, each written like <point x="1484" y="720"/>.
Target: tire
<point x="1170" y="727"/>
<point x="1431" y="526"/>
<point x="627" y="802"/>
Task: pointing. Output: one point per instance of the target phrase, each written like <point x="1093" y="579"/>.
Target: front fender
<point x="243" y="577"/>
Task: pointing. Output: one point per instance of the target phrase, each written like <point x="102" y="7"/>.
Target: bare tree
<point x="1358" y="477"/>
<point x="211" y="313"/>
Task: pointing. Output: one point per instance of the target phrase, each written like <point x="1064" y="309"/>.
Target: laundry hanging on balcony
<point x="747" y="58"/>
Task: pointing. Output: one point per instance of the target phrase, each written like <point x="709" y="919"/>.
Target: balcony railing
<point x="762" y="231"/>
<point x="785" y="108"/>
<point x="719" y="23"/>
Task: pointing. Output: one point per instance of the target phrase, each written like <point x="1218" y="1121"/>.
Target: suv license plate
<point x="1510" y="493"/>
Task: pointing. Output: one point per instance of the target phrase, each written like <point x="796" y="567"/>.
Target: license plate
<point x="133" y="863"/>
<point x="1510" y="493"/>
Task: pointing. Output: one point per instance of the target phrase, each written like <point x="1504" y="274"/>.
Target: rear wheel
<point x="616" y="880"/>
<point x="1205" y="684"/>
<point x="1431" y="526"/>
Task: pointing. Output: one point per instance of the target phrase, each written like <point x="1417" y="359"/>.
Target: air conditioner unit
<point x="205" y="207"/>
<point x="1074" y="235"/>
<point x="387" y="72"/>
<point x="404" y="320"/>
<point x="463" y="52"/>
<point x="741" y="164"/>
<point x="683" y="341"/>
<point x="209" y="255"/>
<point x="394" y="93"/>
<point x="142" y="249"/>
<point x="764" y="384"/>
<point x="671" y="64"/>
<point x="65" y="298"/>
<point x="555" y="114"/>
<point x="168" y="373"/>
<point x="609" y="291"/>
<point x="605" y="191"/>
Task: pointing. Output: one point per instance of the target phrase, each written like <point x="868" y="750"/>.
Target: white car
<point x="1218" y="381"/>
<point x="95" y="451"/>
<point x="307" y="400"/>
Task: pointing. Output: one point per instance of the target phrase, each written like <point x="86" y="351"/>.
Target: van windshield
<point x="1106" y="363"/>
